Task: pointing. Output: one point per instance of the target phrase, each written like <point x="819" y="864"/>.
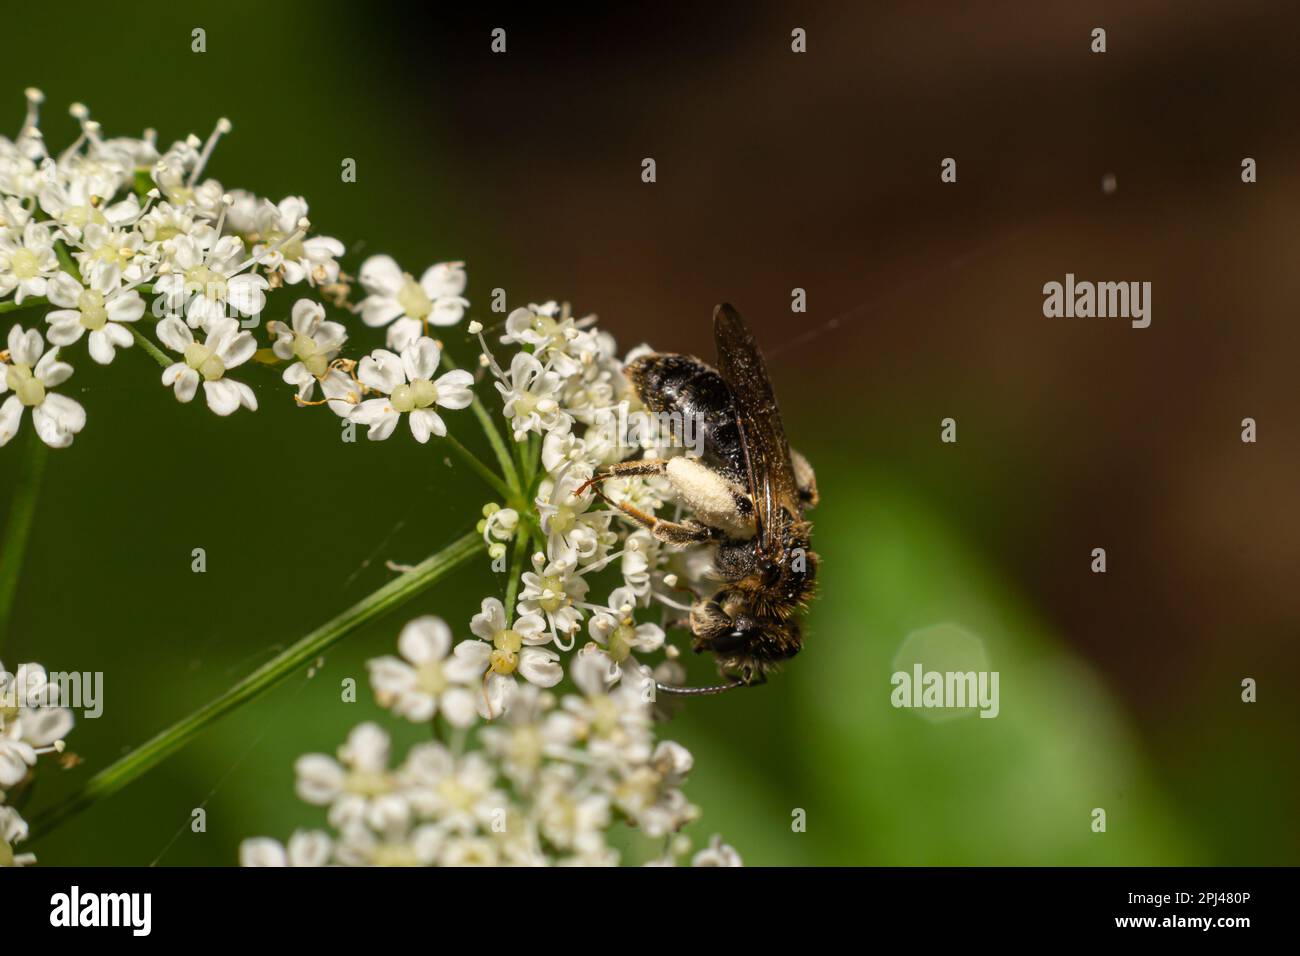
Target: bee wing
<point x="767" y="453"/>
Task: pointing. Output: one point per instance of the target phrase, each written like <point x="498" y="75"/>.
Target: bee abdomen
<point x="680" y="384"/>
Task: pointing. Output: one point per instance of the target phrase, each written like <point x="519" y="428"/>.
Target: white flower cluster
<point x="115" y="240"/>
<point x="528" y="778"/>
<point x="32" y="723"/>
<point x="545" y="786"/>
<point x="111" y="237"/>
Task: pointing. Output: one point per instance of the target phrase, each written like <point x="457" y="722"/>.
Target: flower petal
<point x="426" y="638"/>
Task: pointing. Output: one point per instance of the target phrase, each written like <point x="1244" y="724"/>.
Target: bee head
<point x="737" y="634"/>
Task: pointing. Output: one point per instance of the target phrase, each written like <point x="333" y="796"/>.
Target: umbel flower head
<point x="539" y="707"/>
<point x="33" y="724"/>
<point x="31" y="372"/>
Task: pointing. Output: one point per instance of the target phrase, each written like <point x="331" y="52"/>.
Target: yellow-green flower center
<point x="204" y="361"/>
<point x="553" y="595"/>
<point x="562" y="521"/>
<point x="93" y="314"/>
<point x="293" y="249"/>
<point x="544" y="324"/>
<point x="413" y="299"/>
<point x="310" y="354"/>
<point x="205" y="280"/>
<point x="394" y="854"/>
<point x="24" y="264"/>
<point x="430" y="678"/>
<point x="368" y="783"/>
<point x="525" y="404"/>
<point x="80" y="215"/>
<point x="29" y="389"/>
<point x="456" y="796"/>
<point x="604" y="716"/>
<point x="525" y="747"/>
<point x="620" y="641"/>
<point x="418" y="394"/>
<point x="504" y="658"/>
<point x="113" y="255"/>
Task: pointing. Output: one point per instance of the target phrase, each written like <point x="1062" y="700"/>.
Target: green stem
<point x="149" y="754"/>
<point x="522" y="535"/>
<point x="142" y="182"/>
<point x="155" y="353"/>
<point x="490" y="429"/>
<point x="486" y="473"/>
<point x="22" y="512"/>
<point x="31" y="302"/>
<point x="65" y="260"/>
<point x="494" y="438"/>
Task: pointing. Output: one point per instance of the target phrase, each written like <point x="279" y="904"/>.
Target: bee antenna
<point x="698" y="691"/>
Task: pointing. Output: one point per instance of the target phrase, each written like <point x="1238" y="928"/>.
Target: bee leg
<point x="626" y="469"/>
<point x="689" y="590"/>
<point x="673" y="532"/>
<point x="748" y="676"/>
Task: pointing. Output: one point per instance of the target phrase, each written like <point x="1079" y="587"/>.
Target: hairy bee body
<point x="684" y="385"/>
<point x="745" y="493"/>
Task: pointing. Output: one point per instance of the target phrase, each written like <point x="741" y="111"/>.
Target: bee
<point x="746" y="493"/>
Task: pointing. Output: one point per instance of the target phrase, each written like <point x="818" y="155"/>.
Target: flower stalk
<point x="302" y="652"/>
<point x="22" y="514"/>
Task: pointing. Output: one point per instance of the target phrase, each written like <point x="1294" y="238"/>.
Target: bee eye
<point x="733" y="640"/>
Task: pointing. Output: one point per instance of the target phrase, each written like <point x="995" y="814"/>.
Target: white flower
<point x="408" y="382"/>
<point x="306" y="848"/>
<point x="572" y="531"/>
<point x="460" y="793"/>
<point x="312" y="340"/>
<point x="572" y="817"/>
<point x="17" y="756"/>
<point x="31" y="721"/>
<point x="717" y="853"/>
<point x="99" y="310"/>
<point x="74" y="202"/>
<point x="395" y="297"/>
<point x="504" y="650"/>
<point x="177" y="173"/>
<point x="282" y="247"/>
<point x="640" y="556"/>
<point x="359" y="787"/>
<point x="526" y="733"/>
<point x="616" y="630"/>
<point x="551" y="588"/>
<point x="342" y="392"/>
<point x="553" y="335"/>
<point x="207" y="274"/>
<point x="425" y="682"/>
<point x="13" y="829"/>
<point x="615" y="723"/>
<point x="27" y="261"/>
<point x="30" y="703"/>
<point x="530" y="392"/>
<point x="123" y="249"/>
<point x="29" y="375"/>
<point x="397" y="844"/>
<point x="225" y="347"/>
<point x="165" y="221"/>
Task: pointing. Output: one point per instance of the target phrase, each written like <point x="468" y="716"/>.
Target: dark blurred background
<point x="774" y="171"/>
